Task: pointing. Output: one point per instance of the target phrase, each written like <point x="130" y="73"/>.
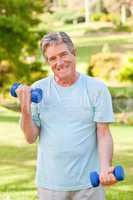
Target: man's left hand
<point x="107" y="177"/>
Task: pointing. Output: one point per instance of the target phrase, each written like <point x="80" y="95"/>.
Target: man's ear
<point x="74" y="52"/>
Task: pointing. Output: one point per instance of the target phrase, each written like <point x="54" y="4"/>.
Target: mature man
<point x="72" y="122"/>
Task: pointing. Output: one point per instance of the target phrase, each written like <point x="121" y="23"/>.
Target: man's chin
<point x="63" y="76"/>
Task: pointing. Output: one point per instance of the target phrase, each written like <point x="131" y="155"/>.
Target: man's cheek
<point x="53" y="67"/>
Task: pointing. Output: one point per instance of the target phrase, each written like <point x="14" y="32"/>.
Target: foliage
<point x="96" y="16"/>
<point x="115" y="18"/>
<point x="105" y="65"/>
<point x="126" y="72"/>
<point x="18" y="37"/>
<point x="118" y="92"/>
<point x="106" y="17"/>
<point x="124" y="28"/>
<point x="111" y="66"/>
<point x="69" y="16"/>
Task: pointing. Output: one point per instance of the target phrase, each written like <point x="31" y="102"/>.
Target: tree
<point x="18" y="38"/>
<point x="99" y="6"/>
<point x="120" y="6"/>
<point x="87" y="11"/>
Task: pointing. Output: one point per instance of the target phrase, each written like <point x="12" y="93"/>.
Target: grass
<point x="17" y="168"/>
<point x="122" y="91"/>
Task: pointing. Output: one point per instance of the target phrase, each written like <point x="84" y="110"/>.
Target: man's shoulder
<point x="41" y="83"/>
<point x="93" y="83"/>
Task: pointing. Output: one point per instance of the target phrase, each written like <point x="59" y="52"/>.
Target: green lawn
<point x="17" y="161"/>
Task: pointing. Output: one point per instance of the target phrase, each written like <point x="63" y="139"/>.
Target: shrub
<point x="69" y="16"/>
<point x="126" y="72"/>
<point x="105" y="65"/>
<point x="114" y="18"/>
<point x="123" y="28"/>
<point x="96" y="16"/>
<point x="112" y="66"/>
<point x="106" y="17"/>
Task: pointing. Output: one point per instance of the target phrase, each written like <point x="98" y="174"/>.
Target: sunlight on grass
<point x="84" y="41"/>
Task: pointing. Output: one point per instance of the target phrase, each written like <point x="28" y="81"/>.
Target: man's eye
<point x="51" y="59"/>
<point x="64" y="54"/>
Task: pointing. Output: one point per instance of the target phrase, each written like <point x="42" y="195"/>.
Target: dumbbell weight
<point x="118" y="173"/>
<point x="36" y="94"/>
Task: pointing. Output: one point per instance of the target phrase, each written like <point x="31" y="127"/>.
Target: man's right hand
<point x="24" y="95"/>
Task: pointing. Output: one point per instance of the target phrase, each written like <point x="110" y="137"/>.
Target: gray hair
<point x="56" y="38"/>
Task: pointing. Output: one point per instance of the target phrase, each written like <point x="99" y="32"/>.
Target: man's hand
<point x="107" y="177"/>
<point x="24" y="96"/>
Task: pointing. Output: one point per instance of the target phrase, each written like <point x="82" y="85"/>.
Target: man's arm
<point x="31" y="131"/>
<point x="105" y="147"/>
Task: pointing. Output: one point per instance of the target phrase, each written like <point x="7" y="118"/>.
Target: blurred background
<point x="102" y="32"/>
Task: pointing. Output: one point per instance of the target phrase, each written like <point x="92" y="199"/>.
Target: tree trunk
<point x="99" y="6"/>
<point x="123" y="14"/>
<point x="87" y="11"/>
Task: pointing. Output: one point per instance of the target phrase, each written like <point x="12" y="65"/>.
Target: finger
<point x="104" y="179"/>
<point x="22" y="92"/>
<point x="111" y="169"/>
<point x="112" y="179"/>
<point x="108" y="180"/>
<point x="24" y="96"/>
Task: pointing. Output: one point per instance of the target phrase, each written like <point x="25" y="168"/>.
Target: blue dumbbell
<point x="36" y="94"/>
<point x="118" y="173"/>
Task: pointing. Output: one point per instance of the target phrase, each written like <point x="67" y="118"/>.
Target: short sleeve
<point x="103" y="106"/>
<point x="35" y="114"/>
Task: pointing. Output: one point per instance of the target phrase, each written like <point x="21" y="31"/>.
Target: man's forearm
<point x="105" y="146"/>
<point x="31" y="131"/>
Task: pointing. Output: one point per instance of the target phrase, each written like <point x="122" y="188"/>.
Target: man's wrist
<point x="105" y="166"/>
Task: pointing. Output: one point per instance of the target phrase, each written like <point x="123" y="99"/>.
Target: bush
<point x="106" y="17"/>
<point x="69" y="16"/>
<point x="112" y="66"/>
<point x="123" y="28"/>
<point x="96" y="17"/>
<point x="115" y="18"/>
<point x="105" y="65"/>
<point x="121" y="92"/>
<point x="126" y="72"/>
<point x="38" y="75"/>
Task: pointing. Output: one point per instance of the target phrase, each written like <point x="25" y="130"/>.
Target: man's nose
<point x="60" y="61"/>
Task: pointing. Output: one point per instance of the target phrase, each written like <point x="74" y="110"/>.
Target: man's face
<point x="61" y="60"/>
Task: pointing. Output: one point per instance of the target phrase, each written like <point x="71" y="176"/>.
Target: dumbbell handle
<point x="118" y="173"/>
<point x="36" y="94"/>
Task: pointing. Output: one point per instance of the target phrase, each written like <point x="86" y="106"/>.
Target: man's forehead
<point x="56" y="48"/>
<point x="57" y="45"/>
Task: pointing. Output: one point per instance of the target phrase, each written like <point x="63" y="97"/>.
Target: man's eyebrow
<point x="59" y="54"/>
<point x="51" y="57"/>
<point x="63" y="52"/>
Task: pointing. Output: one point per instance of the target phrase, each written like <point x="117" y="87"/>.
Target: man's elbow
<point x="30" y="140"/>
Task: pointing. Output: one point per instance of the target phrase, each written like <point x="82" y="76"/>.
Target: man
<point x="72" y="124"/>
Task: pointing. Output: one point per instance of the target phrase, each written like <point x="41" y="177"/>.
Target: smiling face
<point x="61" y="60"/>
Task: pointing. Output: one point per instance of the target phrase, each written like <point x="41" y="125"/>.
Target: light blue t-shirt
<point x="67" y="116"/>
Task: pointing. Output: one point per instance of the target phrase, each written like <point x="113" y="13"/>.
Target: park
<point x="102" y="32"/>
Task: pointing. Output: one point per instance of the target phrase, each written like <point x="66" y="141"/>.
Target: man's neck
<point x="68" y="81"/>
